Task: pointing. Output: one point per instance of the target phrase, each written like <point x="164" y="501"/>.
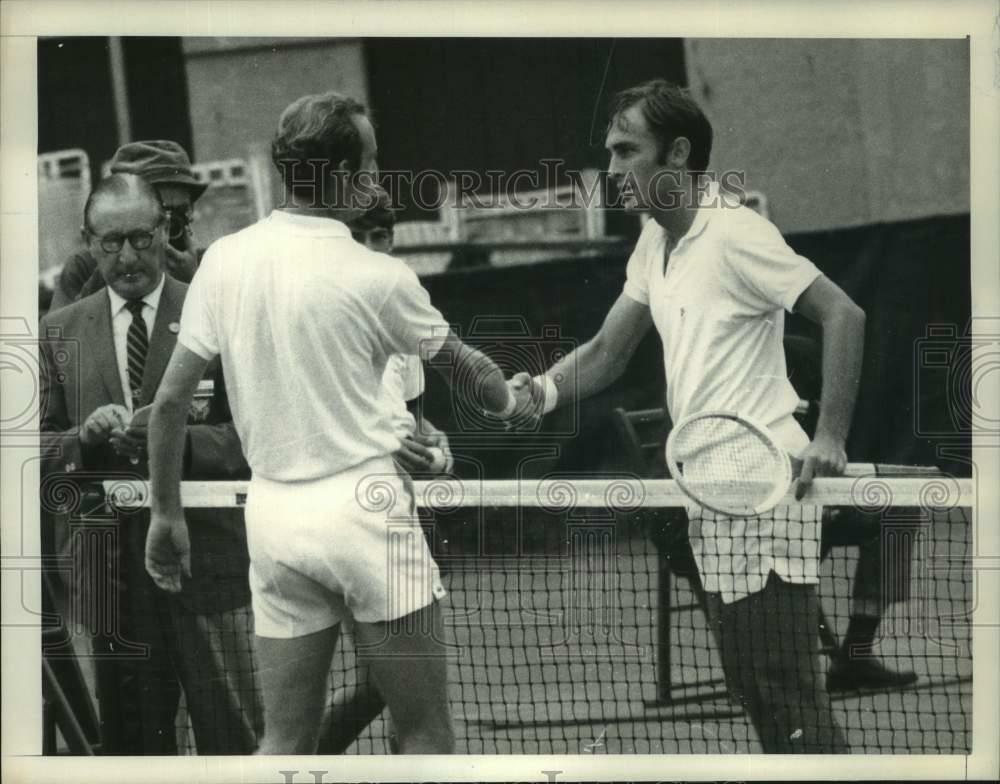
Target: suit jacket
<point x="79" y="373"/>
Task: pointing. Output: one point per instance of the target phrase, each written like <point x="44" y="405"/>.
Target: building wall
<point x="239" y="86"/>
<point x="836" y="132"/>
<point x="840" y="132"/>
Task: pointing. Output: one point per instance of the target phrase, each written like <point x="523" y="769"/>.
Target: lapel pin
<point x="174" y="327"/>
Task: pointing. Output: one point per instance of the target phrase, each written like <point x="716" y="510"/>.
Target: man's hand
<point x="181" y="264"/>
<point x="97" y="428"/>
<point x="437" y="442"/>
<point x="825" y="456"/>
<point x="425" y="451"/>
<point x="130" y="441"/>
<point x="530" y="397"/>
<point x="414" y="456"/>
<point x="168" y="550"/>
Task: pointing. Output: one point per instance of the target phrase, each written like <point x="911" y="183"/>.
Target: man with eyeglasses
<point x="103" y="359"/>
<point x="166" y="166"/>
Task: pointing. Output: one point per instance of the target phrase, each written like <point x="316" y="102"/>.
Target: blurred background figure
<point x="877" y="584"/>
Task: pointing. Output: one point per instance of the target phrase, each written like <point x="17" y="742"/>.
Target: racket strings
<point x="727" y="464"/>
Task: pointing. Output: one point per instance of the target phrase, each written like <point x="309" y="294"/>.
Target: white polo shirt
<point x="719" y="311"/>
<point x="305" y="320"/>
<point x="718" y="307"/>
<point x="402" y="381"/>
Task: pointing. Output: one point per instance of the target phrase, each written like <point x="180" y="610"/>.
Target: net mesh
<point x="587" y="631"/>
<point x="602" y="645"/>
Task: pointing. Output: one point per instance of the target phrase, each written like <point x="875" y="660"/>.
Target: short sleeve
<point x="413" y="324"/>
<point x="199" y="319"/>
<point x="637" y="270"/>
<point x="766" y="272"/>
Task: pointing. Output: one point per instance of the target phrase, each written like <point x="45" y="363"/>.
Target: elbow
<point x="857" y="316"/>
<point x="856" y="311"/>
<point x="846" y="314"/>
<point x="166" y="407"/>
<point x="480" y="381"/>
<point x="616" y="369"/>
<point x="612" y="359"/>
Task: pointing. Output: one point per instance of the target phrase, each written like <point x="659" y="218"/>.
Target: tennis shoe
<point x="851" y="674"/>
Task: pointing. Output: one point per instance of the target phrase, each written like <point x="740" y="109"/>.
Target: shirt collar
<point x="152" y="299"/>
<point x="313" y="224"/>
<point x="709" y="200"/>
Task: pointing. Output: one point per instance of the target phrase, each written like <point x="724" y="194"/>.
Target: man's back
<point x="305" y="319"/>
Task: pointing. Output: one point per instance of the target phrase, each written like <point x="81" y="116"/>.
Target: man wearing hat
<point x="166" y="166"/>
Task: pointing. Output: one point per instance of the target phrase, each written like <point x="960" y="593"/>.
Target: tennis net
<point x="576" y="620"/>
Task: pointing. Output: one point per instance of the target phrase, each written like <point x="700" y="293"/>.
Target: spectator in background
<point x="854" y="665"/>
<point x="200" y="638"/>
<point x="166" y="166"/>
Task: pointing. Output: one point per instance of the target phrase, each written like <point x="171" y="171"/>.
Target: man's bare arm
<point x="600" y="361"/>
<point x="167" y="546"/>
<point x="596" y="364"/>
<point x="843" y="324"/>
<point x="472" y="374"/>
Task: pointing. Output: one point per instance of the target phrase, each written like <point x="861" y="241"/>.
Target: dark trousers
<point x="154" y="647"/>
<point x="883" y="573"/>
<point x="770" y="656"/>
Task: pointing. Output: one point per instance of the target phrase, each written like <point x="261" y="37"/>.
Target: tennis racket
<point x="732" y="464"/>
<point x="728" y="463"/>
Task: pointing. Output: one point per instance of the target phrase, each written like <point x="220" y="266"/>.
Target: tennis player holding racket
<point x="715" y="279"/>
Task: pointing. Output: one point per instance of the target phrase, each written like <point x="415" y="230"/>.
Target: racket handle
<point x="890" y="469"/>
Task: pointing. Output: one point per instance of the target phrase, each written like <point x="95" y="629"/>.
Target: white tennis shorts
<point x="348" y="545"/>
<point x="736" y="555"/>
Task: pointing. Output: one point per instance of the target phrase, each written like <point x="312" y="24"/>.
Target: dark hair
<point x="120" y="185"/>
<point x="316" y="128"/>
<point x="670" y="112"/>
<point x="380" y="215"/>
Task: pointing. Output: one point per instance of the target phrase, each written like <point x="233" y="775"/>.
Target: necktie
<point x="137" y="344"/>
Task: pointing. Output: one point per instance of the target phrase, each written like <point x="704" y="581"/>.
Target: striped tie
<point x="137" y="344"/>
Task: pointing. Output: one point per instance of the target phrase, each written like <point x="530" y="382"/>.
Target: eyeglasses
<point x="139" y="240"/>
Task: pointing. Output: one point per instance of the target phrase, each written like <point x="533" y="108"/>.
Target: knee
<point x="285" y="736"/>
<point x="427" y="731"/>
<point x="427" y="740"/>
<point x="275" y="743"/>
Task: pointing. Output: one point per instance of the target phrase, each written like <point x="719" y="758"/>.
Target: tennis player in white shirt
<point x="304" y="319"/>
<point x="715" y="279"/>
<point x="423" y="450"/>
